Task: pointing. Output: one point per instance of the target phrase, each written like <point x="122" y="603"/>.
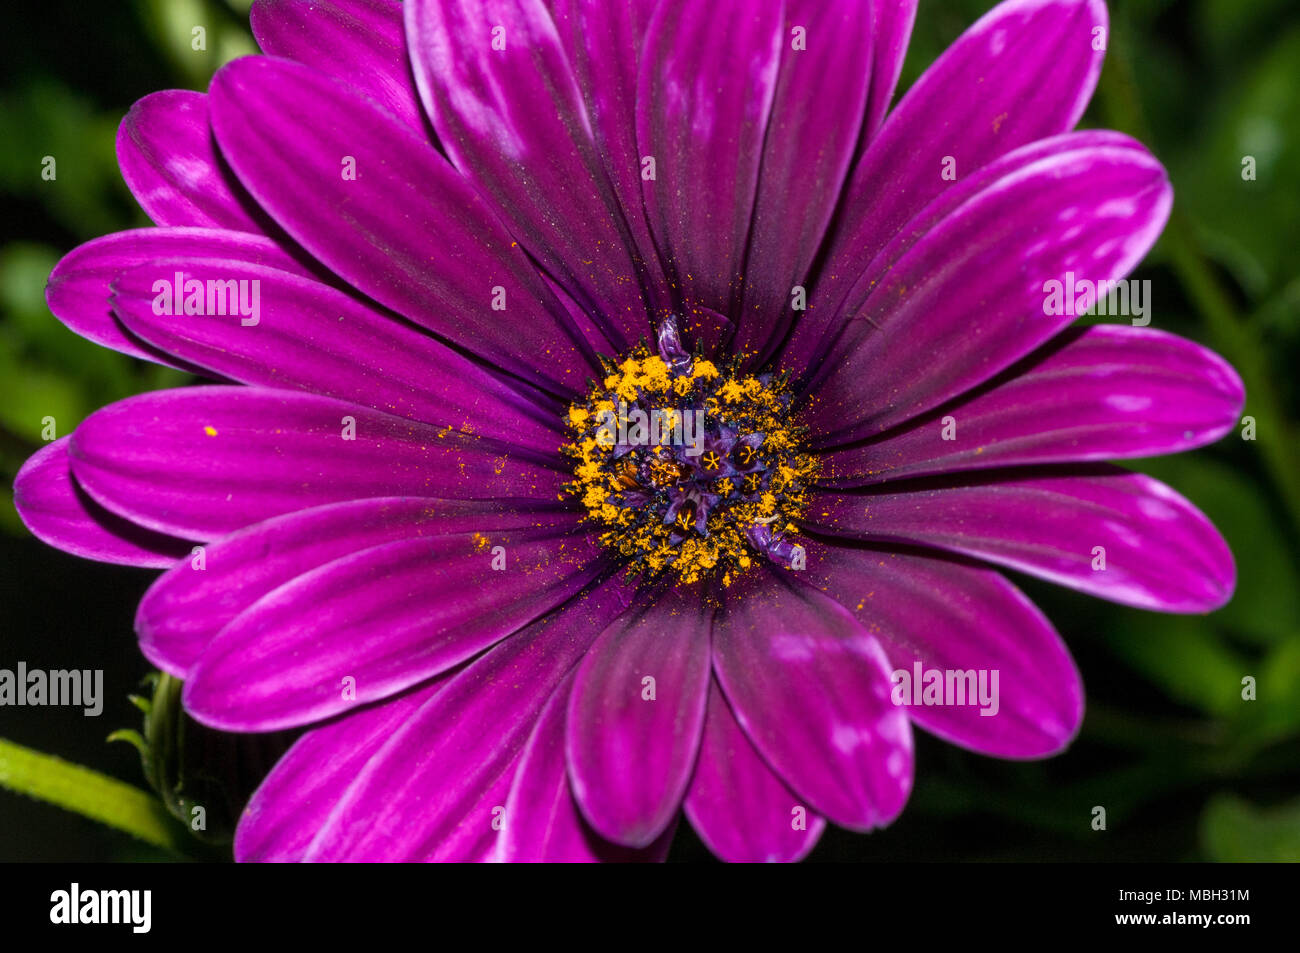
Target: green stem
<point x="88" y="793"/>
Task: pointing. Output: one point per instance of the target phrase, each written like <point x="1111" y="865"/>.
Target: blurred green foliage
<point x="46" y="370"/>
<point x="1186" y="768"/>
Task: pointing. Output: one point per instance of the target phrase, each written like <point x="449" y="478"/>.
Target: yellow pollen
<point x="720" y="495"/>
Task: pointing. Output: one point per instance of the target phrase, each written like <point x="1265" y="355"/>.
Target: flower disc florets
<point x="688" y="467"/>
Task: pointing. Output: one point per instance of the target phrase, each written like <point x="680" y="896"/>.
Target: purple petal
<point x="501" y="93"/>
<point x="1023" y="72"/>
<point x="435" y="789"/>
<point x="810" y="687"/>
<point x="542" y="823"/>
<point x="171" y="166"/>
<point x="296" y="798"/>
<point x="185" y="609"/>
<point x="58" y="512"/>
<point x="635" y="717"/>
<point x="408" y="231"/>
<point x="817" y="329"/>
<point x="362" y="42"/>
<point x="1104" y="531"/>
<point x="821" y="92"/>
<point x="202" y="462"/>
<point x="950" y="617"/>
<point x="893" y="29"/>
<point x="742" y="811"/>
<point x="80" y="285"/>
<point x="1099" y="393"/>
<point x="312" y="337"/>
<point x="386" y="617"/>
<point x="969" y="298"/>
<point x="603" y="42"/>
<point x="702" y="115"/>
<point x="705" y="329"/>
<point x="592" y="330"/>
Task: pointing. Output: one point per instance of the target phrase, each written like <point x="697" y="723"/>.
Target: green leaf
<point x="224" y="36"/>
<point x="1249" y="225"/>
<point x="1276" y="713"/>
<point x="131" y="737"/>
<point x="1230" y="30"/>
<point x="1234" y="831"/>
<point x="1185" y="657"/>
<point x="88" y="793"/>
<point x="47" y="119"/>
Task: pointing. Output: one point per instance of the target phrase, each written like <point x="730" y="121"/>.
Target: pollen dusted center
<point x="690" y="468"/>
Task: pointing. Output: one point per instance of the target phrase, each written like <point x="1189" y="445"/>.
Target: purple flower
<point x="443" y="247"/>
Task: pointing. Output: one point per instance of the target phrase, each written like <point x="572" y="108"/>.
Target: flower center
<point x="690" y="468"/>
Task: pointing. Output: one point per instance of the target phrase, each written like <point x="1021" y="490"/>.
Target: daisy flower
<point x="611" y="404"/>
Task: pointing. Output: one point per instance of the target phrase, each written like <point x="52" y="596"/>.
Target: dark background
<point x="1186" y="769"/>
